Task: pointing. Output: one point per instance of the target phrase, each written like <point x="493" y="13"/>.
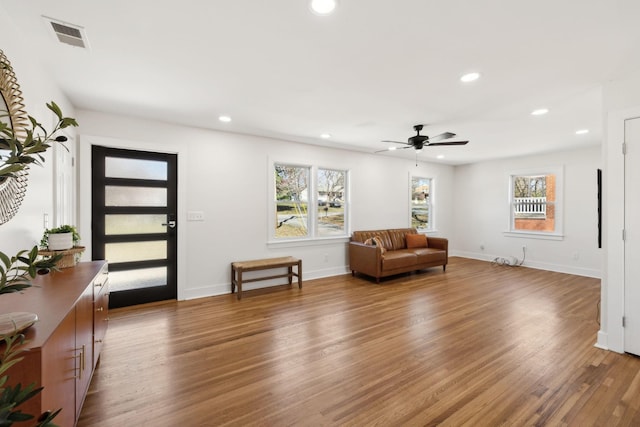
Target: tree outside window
<point x="291" y="193"/>
<point x="421" y="203"/>
<point x="331" y="202"/>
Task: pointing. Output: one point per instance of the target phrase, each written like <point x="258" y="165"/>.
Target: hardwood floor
<point x="479" y="345"/>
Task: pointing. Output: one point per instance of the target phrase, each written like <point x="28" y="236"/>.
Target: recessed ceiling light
<point x="440" y="156"/>
<point x="393" y="148"/>
<point x="323" y="7"/>
<point x="470" y="77"/>
<point x="582" y="132"/>
<point x="325" y="135"/>
<point x="225" y="119"/>
<point x="540" y="112"/>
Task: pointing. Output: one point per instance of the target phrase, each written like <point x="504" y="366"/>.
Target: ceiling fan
<point x="418" y="142"/>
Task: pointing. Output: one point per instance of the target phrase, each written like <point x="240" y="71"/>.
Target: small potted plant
<point x="60" y="238"/>
<point x="63" y="241"/>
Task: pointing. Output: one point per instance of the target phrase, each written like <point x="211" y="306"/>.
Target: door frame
<point x="611" y="334"/>
<point x="84" y="194"/>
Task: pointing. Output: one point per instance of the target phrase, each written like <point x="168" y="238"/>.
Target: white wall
<point x="621" y="102"/>
<point x="481" y="213"/>
<point x="226" y="176"/>
<point x="25" y="229"/>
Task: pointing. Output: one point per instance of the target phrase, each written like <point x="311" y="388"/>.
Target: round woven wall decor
<point x="12" y="112"/>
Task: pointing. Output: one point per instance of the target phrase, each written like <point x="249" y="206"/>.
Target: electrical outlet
<point x="482" y="246"/>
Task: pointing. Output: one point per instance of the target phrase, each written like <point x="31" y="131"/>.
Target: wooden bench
<point x="239" y="267"/>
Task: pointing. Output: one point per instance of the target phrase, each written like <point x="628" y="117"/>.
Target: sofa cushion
<point x="397" y="237"/>
<point x="416" y="241"/>
<point x="383" y="235"/>
<point x="430" y="255"/>
<point x="375" y="241"/>
<point x="398" y="259"/>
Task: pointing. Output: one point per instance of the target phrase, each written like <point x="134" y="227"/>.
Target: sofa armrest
<point x="439" y="243"/>
<point x="365" y="258"/>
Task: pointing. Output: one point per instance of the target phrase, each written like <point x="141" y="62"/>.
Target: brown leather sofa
<point x="395" y="258"/>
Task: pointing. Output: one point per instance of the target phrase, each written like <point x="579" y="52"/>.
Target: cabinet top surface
<point x="51" y="297"/>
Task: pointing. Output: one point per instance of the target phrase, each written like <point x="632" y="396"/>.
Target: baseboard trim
<point x="578" y="271"/>
<point x="602" y="340"/>
<point x="225" y="288"/>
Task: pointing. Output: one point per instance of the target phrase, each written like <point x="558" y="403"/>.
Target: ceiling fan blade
<point x="395" y="149"/>
<point x="445" y="135"/>
<point x="448" y="143"/>
<point x="397" y="142"/>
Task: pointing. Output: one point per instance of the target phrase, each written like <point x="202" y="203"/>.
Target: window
<point x="331" y="202"/>
<point x="422" y="203"/>
<point x="535" y="202"/>
<point x="310" y="202"/>
<point x="292" y="194"/>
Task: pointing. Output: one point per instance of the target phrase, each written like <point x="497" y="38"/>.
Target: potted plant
<point x="60" y="238"/>
<point x="62" y="241"/>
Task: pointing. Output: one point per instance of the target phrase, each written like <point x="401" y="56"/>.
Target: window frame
<point x="431" y="204"/>
<point x="312" y="236"/>
<point x="558" y="232"/>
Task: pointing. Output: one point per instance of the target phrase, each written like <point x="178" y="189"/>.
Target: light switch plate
<point x="195" y="216"/>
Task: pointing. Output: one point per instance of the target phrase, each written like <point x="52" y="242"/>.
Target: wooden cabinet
<point x="101" y="313"/>
<point x="64" y="345"/>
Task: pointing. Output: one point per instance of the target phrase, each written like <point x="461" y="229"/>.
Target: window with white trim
<point x="421" y="203"/>
<point x="310" y="202"/>
<point x="535" y="202"/>
<point x="292" y="201"/>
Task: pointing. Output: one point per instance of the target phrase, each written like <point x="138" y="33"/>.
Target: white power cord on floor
<point x="512" y="261"/>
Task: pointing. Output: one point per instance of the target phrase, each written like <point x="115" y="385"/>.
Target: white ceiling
<point x="367" y="73"/>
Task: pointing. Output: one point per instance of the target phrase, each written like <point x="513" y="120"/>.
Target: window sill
<point x="533" y="235"/>
<point x="291" y="243"/>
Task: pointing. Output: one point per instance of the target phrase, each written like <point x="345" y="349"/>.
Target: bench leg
<point x="299" y="274"/>
<point x="233" y="279"/>
<point x="239" y="284"/>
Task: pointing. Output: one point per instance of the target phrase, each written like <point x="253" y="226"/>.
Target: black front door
<point x="134" y="223"/>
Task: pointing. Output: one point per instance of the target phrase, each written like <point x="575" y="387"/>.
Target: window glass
<point x="534" y="203"/>
<point x="291" y="195"/>
<point x="134" y="224"/>
<point x="116" y="195"/>
<point x="116" y="167"/>
<point x="331" y="202"/>
<point x="421" y="203"/>
<point x="135" y="251"/>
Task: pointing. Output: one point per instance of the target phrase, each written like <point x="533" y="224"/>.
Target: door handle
<point x="170" y="224"/>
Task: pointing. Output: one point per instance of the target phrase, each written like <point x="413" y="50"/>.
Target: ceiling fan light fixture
<point x="540" y="112"/>
<point x="470" y="77"/>
<point x="323" y="7"/>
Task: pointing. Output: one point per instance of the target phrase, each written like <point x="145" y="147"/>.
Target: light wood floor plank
<point x="477" y="345"/>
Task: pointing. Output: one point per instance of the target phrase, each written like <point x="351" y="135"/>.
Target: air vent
<point x="68" y="33"/>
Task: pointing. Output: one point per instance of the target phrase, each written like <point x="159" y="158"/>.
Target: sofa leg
<point x="444" y="267"/>
<point x="353" y="273"/>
